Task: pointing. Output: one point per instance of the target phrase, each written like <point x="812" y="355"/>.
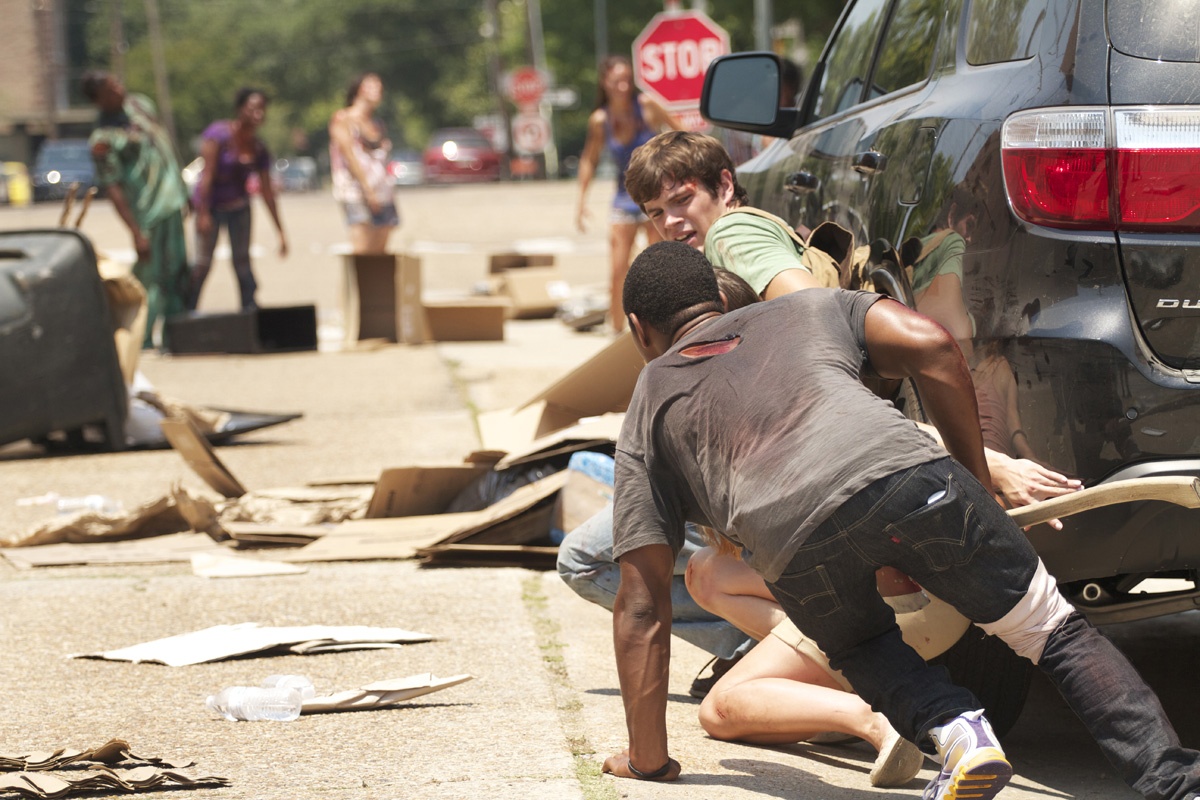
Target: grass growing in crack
<point x="570" y="710"/>
<point x="464" y="393"/>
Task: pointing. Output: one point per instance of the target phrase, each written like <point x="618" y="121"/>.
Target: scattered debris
<point x="111" y="767"/>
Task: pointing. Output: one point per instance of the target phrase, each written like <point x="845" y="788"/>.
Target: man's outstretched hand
<point x="619" y="765"/>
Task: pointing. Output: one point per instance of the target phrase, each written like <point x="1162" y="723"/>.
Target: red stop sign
<point x="525" y="86"/>
<point x="671" y="54"/>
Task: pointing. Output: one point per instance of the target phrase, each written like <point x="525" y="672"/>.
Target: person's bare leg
<point x="360" y="239"/>
<point x="776" y="695"/>
<point x="378" y="238"/>
<point x="621" y="236"/>
<point x="726" y="586"/>
<point x="651" y="232"/>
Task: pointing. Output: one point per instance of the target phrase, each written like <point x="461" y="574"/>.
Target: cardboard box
<point x="404" y="516"/>
<point x="603" y="384"/>
<point x="260" y="330"/>
<point x="381" y="298"/>
<point x="502" y="261"/>
<point x="469" y="319"/>
<point x="416" y="491"/>
<point x="535" y="291"/>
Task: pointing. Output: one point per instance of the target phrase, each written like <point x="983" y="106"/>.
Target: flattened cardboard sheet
<point x="225" y="641"/>
<point x="523" y="516"/>
<point x="175" y="547"/>
<point x="600" y="385"/>
<point x="375" y="539"/>
<point x="381" y="694"/>
<point x="587" y="433"/>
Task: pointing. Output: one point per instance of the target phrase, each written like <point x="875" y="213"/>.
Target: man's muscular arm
<point x="904" y="344"/>
<point x="642" y="639"/>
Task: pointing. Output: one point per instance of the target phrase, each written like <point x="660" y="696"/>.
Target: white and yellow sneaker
<point x="973" y="763"/>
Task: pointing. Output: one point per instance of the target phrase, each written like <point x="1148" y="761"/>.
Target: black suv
<point x="1029" y="172"/>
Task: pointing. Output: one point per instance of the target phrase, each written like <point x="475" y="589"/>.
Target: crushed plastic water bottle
<point x="69" y="505"/>
<point x="255" y="703"/>
<point x="298" y="682"/>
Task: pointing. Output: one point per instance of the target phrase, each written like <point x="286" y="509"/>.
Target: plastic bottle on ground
<point x="68" y="505"/>
<point x="257" y="703"/>
<point x="301" y="683"/>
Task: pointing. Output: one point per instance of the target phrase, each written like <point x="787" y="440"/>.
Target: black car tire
<point x="993" y="672"/>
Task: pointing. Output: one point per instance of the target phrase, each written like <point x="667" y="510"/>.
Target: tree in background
<point x="431" y="56"/>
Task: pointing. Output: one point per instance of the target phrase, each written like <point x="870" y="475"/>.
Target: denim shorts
<point x="360" y="214"/>
<point x="622" y="216"/>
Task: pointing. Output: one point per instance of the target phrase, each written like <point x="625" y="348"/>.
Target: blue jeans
<point x="237" y="222"/>
<point x="585" y="563"/>
<point x="938" y="524"/>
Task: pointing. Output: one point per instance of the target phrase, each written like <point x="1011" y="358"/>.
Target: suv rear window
<point x="1005" y="30"/>
<point x="1162" y="30"/>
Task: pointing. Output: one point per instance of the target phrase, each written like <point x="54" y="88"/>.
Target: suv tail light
<point x="1122" y="169"/>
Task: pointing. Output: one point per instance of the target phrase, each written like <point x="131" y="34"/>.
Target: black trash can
<point x="58" y="364"/>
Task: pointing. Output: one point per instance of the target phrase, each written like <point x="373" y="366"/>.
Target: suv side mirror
<point x="741" y="91"/>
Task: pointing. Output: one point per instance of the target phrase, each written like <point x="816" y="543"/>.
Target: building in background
<point x="38" y="100"/>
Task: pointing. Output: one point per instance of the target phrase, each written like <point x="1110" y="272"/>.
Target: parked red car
<point x="460" y="154"/>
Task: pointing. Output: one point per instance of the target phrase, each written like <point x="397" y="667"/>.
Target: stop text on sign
<point x="672" y="60"/>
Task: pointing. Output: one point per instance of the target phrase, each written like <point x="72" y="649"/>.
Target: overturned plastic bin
<point x="56" y="340"/>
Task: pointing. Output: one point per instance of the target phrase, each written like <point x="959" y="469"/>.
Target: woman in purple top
<point x="232" y="152"/>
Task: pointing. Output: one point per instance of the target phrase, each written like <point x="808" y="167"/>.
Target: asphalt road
<point x="543" y="708"/>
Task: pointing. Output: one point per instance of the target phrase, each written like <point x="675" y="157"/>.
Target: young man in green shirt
<point x="135" y="163"/>
<point x="687" y="185"/>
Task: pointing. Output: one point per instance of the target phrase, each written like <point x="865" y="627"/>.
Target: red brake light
<point x="1131" y="169"/>
<point x="1059" y="188"/>
<point x="1159" y="189"/>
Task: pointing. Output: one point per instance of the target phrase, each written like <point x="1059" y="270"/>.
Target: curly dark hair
<point x="245" y="93"/>
<point x="670" y="284"/>
<point x="678" y="156"/>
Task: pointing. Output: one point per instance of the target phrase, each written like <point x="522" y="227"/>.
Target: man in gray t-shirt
<point x="756" y="423"/>
<point x="766" y="473"/>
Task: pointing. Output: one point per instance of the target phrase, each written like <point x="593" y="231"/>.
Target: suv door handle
<point x="802" y="182"/>
<point x="869" y="163"/>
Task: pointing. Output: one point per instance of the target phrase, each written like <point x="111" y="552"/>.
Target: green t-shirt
<point x="133" y="151"/>
<point x="753" y="247"/>
<point x="944" y="259"/>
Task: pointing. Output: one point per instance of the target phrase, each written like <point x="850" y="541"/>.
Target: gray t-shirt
<point x="757" y="424"/>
